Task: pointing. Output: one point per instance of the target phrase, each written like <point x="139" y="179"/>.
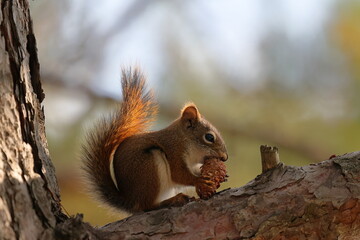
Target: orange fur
<point x="136" y="113"/>
<point x="131" y="169"/>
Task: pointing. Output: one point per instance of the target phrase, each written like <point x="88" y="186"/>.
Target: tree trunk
<point x="29" y="194"/>
<point x="313" y="202"/>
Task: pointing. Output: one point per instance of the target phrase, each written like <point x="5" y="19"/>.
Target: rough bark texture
<point x="269" y="157"/>
<point x="319" y="201"/>
<point x="29" y="194"/>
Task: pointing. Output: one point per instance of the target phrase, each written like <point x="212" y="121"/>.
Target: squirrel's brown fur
<point x="135" y="170"/>
<point x="133" y="117"/>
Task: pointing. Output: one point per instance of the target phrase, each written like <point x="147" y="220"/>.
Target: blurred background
<point x="284" y="73"/>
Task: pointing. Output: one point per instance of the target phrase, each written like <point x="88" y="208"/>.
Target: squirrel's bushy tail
<point x="134" y="116"/>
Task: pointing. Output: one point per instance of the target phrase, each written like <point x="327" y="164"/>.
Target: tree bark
<point x="319" y="201"/>
<point x="29" y="194"/>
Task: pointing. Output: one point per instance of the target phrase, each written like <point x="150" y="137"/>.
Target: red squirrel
<point x="132" y="169"/>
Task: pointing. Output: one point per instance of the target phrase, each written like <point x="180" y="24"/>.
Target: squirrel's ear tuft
<point x="190" y="114"/>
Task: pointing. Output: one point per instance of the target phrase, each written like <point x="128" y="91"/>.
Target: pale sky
<point x="231" y="31"/>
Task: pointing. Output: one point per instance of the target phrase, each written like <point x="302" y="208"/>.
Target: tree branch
<point x="319" y="201"/>
<point x="269" y="157"/>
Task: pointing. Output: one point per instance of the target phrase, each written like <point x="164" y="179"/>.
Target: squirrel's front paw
<point x="181" y="199"/>
<point x="177" y="201"/>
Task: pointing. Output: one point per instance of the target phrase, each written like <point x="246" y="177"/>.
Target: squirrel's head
<point x="206" y="141"/>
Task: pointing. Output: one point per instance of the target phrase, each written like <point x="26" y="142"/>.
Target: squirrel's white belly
<point x="168" y="188"/>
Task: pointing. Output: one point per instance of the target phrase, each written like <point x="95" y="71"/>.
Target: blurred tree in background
<point x="282" y="73"/>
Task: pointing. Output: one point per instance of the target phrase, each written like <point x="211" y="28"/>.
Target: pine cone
<point x="213" y="172"/>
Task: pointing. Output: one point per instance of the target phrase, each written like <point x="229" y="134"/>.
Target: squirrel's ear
<point x="190" y="115"/>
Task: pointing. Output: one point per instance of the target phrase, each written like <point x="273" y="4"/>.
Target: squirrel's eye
<point x="209" y="138"/>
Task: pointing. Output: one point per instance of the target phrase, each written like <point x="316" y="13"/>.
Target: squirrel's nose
<point x="224" y="156"/>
